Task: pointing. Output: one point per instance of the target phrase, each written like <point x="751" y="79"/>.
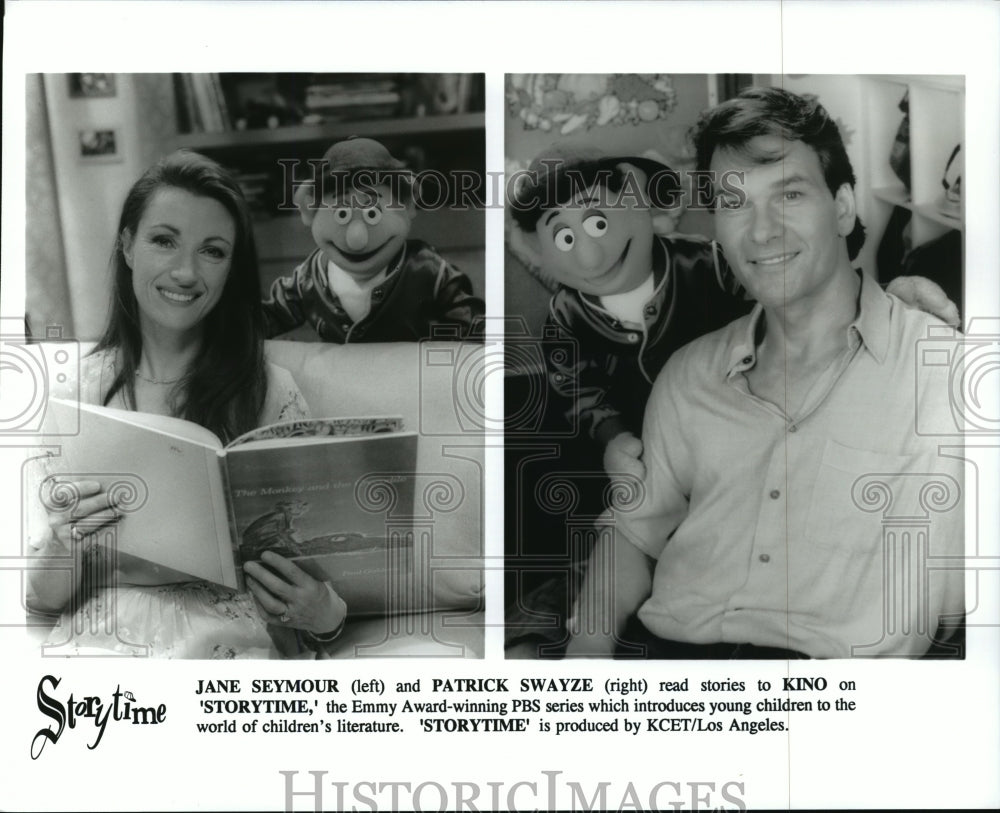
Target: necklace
<point x="154" y="381"/>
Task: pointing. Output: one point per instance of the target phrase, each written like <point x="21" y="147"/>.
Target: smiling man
<point x="771" y="444"/>
<point x="367" y="281"/>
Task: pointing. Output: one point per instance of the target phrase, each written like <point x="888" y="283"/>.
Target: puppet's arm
<point x="925" y="295"/>
<point x="284" y="308"/>
<point x="456" y="304"/>
<point x="583" y="381"/>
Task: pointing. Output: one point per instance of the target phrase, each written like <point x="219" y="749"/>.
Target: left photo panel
<point x="254" y="316"/>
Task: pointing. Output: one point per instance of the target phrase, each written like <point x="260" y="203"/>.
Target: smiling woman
<point x="185" y="339"/>
<point x="180" y="258"/>
<point x="185" y="299"/>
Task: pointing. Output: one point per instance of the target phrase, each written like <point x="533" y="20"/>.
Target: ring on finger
<point x="286" y="616"/>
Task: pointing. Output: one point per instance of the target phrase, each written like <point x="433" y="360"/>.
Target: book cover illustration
<point x="320" y="427"/>
<point x="341" y="510"/>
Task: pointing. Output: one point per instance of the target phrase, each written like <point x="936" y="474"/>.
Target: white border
<point x="927" y="733"/>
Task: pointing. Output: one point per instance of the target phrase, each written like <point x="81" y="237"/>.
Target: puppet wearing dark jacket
<point x="628" y="297"/>
<point x="366" y="281"/>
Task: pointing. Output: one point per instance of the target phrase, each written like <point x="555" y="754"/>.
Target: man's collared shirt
<point x="821" y="532"/>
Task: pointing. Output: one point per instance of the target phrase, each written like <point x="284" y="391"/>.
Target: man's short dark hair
<point x="777" y="112"/>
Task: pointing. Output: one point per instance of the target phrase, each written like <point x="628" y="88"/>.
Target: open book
<point x="333" y="495"/>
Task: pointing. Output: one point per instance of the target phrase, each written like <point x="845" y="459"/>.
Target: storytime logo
<point x="88" y="711"/>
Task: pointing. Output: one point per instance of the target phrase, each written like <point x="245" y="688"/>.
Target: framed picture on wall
<point x="91" y="85"/>
<point x="98" y="146"/>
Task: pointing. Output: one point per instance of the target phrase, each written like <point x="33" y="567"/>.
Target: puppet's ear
<point x="304" y="197"/>
<point x="634" y="187"/>
<point x="526" y="246"/>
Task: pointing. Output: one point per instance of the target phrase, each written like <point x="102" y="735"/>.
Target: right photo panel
<point x="734" y="383"/>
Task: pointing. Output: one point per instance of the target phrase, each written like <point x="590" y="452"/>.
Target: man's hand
<point x="622" y="457"/>
<point x="925" y="295"/>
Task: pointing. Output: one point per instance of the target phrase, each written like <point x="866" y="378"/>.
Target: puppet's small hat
<point x="550" y="176"/>
<point x="355" y="154"/>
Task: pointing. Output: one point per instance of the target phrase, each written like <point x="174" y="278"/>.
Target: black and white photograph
<point x="777" y="491"/>
<point x="247" y="288"/>
<point x="91" y="85"/>
<point x="99" y="145"/>
<point x="500" y="406"/>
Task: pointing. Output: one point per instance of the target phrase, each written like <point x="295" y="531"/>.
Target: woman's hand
<point x="77" y="510"/>
<point x="288" y="596"/>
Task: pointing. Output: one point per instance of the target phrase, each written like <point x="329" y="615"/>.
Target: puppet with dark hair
<point x="366" y="281"/>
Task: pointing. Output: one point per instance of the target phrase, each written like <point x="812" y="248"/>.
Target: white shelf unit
<point x="937" y="125"/>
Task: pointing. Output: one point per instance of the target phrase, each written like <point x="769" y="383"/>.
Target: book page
<point x="174" y="508"/>
<point x="163" y="424"/>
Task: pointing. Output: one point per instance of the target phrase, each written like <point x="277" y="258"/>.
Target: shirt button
<point x="651" y="310"/>
<point x="345" y="327"/>
<point x="633" y="337"/>
<point x="764" y="558"/>
<point x="793" y="428"/>
<point x="775" y="494"/>
<point x="747" y="359"/>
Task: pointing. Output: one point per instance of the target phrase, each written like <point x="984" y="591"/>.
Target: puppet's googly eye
<point x="342" y="215"/>
<point x="564" y="239"/>
<point x="596" y="225"/>
<point x="372" y="216"/>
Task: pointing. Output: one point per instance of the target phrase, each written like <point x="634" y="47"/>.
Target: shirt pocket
<point x="853" y="491"/>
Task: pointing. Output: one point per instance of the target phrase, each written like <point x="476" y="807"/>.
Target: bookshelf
<point x="328" y="133"/>
<point x="249" y="122"/>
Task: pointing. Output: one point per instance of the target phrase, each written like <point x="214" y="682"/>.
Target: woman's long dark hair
<point x="226" y="385"/>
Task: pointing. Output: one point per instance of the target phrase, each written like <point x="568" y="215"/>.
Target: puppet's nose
<point x="357" y="235"/>
<point x="589" y="254"/>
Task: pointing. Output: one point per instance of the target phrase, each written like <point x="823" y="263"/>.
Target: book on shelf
<point x="359" y="100"/>
<point x="334" y="495"/>
<point x="219" y="98"/>
<point x="340" y="94"/>
<point x="188" y="118"/>
<point x="201" y="103"/>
